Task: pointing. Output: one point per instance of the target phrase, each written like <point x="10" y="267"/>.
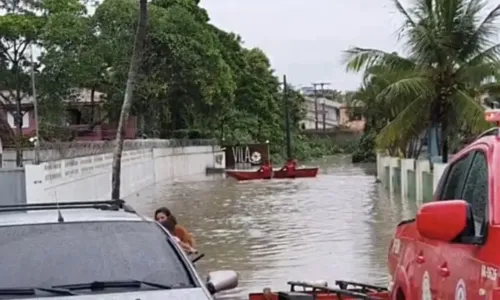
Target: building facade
<point x="84" y="116"/>
<point x="321" y="113"/>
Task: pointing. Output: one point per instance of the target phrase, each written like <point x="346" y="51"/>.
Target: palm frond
<point x="478" y="73"/>
<point x="409" y="122"/>
<point x="409" y="87"/>
<point x="492" y="88"/>
<point x="407" y="16"/>
<point x="468" y="111"/>
<point x="425" y="45"/>
<point x="491" y="54"/>
<point x="357" y="59"/>
<point x="482" y="35"/>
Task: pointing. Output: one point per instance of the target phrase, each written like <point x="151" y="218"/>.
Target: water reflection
<point x="336" y="226"/>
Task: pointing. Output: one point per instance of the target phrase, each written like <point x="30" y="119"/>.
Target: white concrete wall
<point x="89" y="178"/>
<point x="409" y="164"/>
<point x="393" y="164"/>
<point x="421" y="166"/>
<point x="438" y="170"/>
<point x="406" y="165"/>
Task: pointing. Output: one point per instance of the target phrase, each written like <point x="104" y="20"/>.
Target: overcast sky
<point x="305" y="38"/>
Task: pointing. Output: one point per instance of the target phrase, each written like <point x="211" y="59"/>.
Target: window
<point x="12" y="121"/>
<point x="476" y="190"/>
<point x="46" y="255"/>
<point x="453" y="186"/>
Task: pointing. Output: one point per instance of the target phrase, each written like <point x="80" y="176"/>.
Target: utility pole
<point x="287" y="120"/>
<point x="322" y="85"/>
<point x="315" y="105"/>
<point x="324" y="100"/>
<point x="35" y="104"/>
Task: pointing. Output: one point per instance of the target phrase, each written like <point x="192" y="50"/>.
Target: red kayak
<point x="242" y="175"/>
<point x="298" y="173"/>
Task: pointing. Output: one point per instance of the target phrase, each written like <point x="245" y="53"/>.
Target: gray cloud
<point x="305" y="38"/>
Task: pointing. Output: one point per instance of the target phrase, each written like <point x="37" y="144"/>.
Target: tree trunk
<point x="19" y="117"/>
<point x="92" y="105"/>
<point x="140" y="36"/>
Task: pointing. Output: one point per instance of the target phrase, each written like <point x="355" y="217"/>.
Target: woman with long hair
<point x="163" y="214"/>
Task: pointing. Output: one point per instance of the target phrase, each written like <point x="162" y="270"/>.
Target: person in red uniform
<point x="266" y="169"/>
<point x="290" y="167"/>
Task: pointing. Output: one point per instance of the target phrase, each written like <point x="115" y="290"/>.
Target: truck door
<point x="461" y="271"/>
<point x="423" y="272"/>
<point x="450" y="188"/>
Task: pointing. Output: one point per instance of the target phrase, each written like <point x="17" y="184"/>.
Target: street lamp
<point x="268" y="151"/>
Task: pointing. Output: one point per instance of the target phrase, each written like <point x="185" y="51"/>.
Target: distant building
<point x="84" y="117"/>
<point x="350" y="119"/>
<point x="307" y="90"/>
<point x="322" y="113"/>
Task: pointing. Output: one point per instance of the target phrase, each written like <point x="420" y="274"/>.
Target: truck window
<point x="476" y="190"/>
<point x="454" y="184"/>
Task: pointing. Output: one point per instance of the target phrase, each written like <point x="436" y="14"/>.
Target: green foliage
<point x="196" y="80"/>
<point x="364" y="151"/>
<point x="452" y="62"/>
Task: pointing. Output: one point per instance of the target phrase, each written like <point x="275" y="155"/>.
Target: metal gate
<point x="12" y="186"/>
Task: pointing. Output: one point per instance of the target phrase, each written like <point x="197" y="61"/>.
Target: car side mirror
<point x="219" y="281"/>
<point x="443" y="220"/>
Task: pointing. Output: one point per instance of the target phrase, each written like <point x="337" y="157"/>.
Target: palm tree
<point x="451" y="60"/>
<point x="378" y="111"/>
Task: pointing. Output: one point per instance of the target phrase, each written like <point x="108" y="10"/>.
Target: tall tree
<point x="140" y="37"/>
<point x="451" y="56"/>
<point x="19" y="27"/>
<point x="26" y="23"/>
<point x="194" y="79"/>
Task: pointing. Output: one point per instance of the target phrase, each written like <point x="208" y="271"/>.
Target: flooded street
<point x="336" y="226"/>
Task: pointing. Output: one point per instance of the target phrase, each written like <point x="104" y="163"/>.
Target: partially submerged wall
<point x="89" y="177"/>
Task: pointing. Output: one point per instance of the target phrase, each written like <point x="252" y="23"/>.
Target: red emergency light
<point x="492" y="115"/>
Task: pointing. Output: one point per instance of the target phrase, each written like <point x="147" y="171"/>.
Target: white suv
<point x="95" y="250"/>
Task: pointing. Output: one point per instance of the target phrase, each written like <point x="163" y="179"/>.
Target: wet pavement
<point x="336" y="226"/>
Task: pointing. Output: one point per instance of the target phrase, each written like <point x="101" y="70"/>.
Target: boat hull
<point x="244" y="175"/>
<point x="299" y="173"/>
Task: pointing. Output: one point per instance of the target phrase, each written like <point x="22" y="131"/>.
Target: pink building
<point x="352" y="121"/>
<point x="85" y="116"/>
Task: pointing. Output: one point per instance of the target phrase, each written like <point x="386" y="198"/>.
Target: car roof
<point x="69" y="215"/>
<point x="492" y="141"/>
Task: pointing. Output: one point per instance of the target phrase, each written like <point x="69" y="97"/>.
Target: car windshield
<point x="47" y="255"/>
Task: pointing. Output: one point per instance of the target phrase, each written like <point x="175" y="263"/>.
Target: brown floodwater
<point x="335" y="226"/>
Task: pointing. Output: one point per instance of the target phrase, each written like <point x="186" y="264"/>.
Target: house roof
<point x="78" y="95"/>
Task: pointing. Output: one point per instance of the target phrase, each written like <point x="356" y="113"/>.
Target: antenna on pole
<point x="60" y="218"/>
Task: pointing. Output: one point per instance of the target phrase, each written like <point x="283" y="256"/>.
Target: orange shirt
<point x="184" y="235"/>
